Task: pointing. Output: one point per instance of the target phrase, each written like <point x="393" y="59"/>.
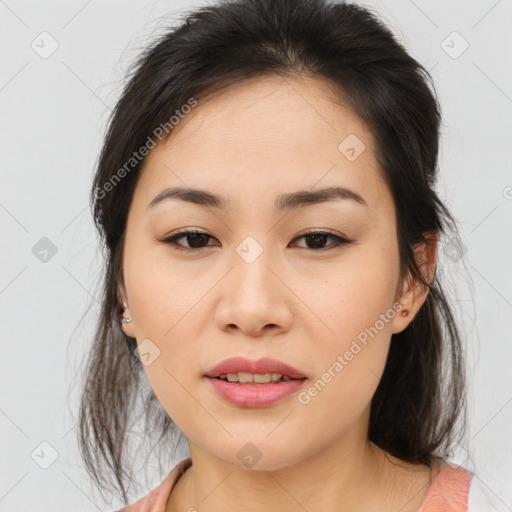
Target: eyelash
<point x="172" y="240"/>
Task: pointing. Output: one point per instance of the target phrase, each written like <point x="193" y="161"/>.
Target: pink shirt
<point x="452" y="489"/>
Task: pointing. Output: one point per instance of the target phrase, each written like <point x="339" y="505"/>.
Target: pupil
<point x="318" y="237"/>
<point x="196" y="235"/>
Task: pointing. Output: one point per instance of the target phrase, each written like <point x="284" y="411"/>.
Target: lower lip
<point x="255" y="395"/>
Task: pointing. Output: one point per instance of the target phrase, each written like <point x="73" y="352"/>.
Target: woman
<point x="265" y="194"/>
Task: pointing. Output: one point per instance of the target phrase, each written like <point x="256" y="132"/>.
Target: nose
<point x="254" y="297"/>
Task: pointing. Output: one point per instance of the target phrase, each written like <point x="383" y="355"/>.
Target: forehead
<point x="270" y="110"/>
<point x="268" y="135"/>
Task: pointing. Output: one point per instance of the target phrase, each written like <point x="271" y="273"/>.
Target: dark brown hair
<point x="420" y="400"/>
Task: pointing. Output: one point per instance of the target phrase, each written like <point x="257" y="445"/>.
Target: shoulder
<point x="449" y="488"/>
<point x="455" y="489"/>
<point x="156" y="499"/>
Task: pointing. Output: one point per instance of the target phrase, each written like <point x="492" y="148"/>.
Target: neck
<point x="350" y="475"/>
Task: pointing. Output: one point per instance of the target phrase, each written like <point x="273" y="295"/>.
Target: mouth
<point x="242" y="393"/>
<point x="262" y="371"/>
<point x="260" y="379"/>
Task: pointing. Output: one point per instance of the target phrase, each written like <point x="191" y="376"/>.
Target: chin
<point x="260" y="456"/>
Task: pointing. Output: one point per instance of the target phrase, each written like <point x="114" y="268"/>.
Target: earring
<point x="405" y="312"/>
<point x="125" y="319"/>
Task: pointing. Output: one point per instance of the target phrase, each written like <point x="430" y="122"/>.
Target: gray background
<point x="53" y="115"/>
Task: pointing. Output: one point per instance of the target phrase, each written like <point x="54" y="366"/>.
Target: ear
<point x="127" y="327"/>
<point x="411" y="293"/>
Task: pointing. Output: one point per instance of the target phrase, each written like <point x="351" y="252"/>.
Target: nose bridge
<point x="251" y="262"/>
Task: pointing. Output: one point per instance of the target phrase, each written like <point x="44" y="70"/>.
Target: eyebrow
<point x="282" y="203"/>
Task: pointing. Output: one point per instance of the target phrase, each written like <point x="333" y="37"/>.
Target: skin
<point x="296" y="303"/>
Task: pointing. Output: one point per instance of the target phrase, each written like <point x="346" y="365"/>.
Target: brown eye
<point x="195" y="239"/>
<point x="316" y="240"/>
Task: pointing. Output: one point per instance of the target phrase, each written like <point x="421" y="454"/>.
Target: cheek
<point x="164" y="305"/>
<point x="163" y="295"/>
<point x="348" y="369"/>
<point x="357" y="307"/>
<point x="337" y="400"/>
<point x="353" y="296"/>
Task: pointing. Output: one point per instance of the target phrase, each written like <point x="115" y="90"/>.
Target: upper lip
<point x="263" y="365"/>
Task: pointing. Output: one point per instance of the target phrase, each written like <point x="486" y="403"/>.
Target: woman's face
<point x="255" y="286"/>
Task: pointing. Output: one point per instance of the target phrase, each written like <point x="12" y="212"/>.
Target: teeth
<point x="258" y="378"/>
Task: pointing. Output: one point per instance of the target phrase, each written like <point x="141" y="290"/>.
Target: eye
<point x="196" y="240"/>
<point x="318" y="238"/>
